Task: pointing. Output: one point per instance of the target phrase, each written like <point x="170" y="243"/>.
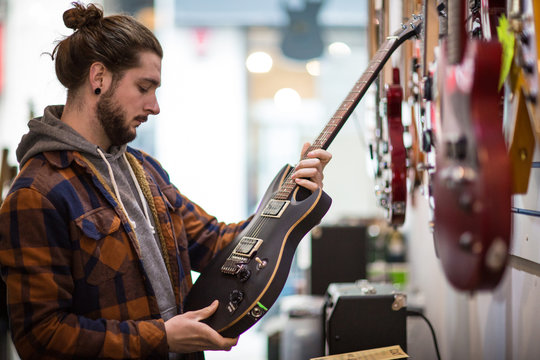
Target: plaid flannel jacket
<point x="71" y="261"/>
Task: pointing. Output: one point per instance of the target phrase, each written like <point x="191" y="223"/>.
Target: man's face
<point x="130" y="100"/>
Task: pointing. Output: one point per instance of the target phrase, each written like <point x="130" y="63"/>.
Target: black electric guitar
<point x="248" y="275"/>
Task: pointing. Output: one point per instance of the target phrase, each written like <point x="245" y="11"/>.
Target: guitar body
<point x="472" y="185"/>
<point x="246" y="292"/>
<point x="398" y="153"/>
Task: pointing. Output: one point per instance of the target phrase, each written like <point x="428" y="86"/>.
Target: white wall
<point x="202" y="125"/>
<point x="31" y="29"/>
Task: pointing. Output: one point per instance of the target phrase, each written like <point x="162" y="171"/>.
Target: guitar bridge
<point x="242" y="253"/>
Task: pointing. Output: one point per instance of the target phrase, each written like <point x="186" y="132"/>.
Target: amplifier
<point x="364" y="315"/>
<point x="338" y="255"/>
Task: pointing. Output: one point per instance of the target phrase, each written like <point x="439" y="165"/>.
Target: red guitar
<point x="393" y="192"/>
<point x="472" y="186"/>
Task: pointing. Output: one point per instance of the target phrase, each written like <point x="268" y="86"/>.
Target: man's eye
<point x="143" y="89"/>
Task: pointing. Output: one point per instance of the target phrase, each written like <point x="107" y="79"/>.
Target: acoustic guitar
<point x="248" y="275"/>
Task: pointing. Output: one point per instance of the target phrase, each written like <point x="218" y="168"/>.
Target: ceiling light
<point x="287" y="99"/>
<point x="259" y="62"/>
<point x="314" y="68"/>
<point x="339" y="49"/>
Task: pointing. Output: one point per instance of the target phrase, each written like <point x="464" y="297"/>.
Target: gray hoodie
<point x="49" y="133"/>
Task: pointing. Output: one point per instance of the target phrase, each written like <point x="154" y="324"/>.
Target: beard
<point x="113" y="120"/>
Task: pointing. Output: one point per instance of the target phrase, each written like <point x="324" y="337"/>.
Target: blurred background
<point x="244" y="84"/>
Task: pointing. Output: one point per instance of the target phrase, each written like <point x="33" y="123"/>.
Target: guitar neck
<point x="348" y="105"/>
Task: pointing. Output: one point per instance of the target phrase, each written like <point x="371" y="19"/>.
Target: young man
<point x="96" y="244"/>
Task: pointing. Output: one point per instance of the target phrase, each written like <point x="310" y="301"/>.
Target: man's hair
<point x="116" y="41"/>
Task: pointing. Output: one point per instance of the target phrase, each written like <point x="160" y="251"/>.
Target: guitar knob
<point x="243" y="274"/>
<point x="496" y="255"/>
<point x="469" y="242"/>
<point x="236" y="297"/>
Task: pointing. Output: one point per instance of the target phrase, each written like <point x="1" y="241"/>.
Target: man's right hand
<point x="186" y="333"/>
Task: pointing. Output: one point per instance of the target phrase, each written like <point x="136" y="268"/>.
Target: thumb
<point x="206" y="312"/>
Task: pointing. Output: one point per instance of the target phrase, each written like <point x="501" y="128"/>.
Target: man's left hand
<point x="309" y="172"/>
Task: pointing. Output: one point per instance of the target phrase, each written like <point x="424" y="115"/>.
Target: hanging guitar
<point x="472" y="186"/>
<point x="393" y="189"/>
<point x="522" y="88"/>
<point x="411" y="69"/>
<point x="388" y="151"/>
<point x="302" y="38"/>
<point x="248" y="275"/>
<point x="426" y="105"/>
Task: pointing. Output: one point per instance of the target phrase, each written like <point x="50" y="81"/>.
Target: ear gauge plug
<point x="97" y="91"/>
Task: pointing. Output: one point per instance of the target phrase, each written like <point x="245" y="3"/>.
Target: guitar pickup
<point x="242" y="253"/>
<point x="275" y="208"/>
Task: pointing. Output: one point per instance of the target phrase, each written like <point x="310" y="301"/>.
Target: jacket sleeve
<point x="204" y="235"/>
<point x="198" y="232"/>
<point x="36" y="256"/>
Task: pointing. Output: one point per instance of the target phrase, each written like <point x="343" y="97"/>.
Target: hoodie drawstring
<point x="115" y="186"/>
<point x="141" y="196"/>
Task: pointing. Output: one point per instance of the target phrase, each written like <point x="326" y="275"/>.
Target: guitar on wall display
<point x="248" y="275"/>
<point x="398" y="154"/>
<point x="302" y="39"/>
<point x="392" y="191"/>
<point x="523" y="86"/>
<point x="472" y="186"/>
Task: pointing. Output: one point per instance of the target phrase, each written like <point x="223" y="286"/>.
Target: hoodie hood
<point x="49" y="133"/>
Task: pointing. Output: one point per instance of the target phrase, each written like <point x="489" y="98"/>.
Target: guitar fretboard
<point x="351" y="101"/>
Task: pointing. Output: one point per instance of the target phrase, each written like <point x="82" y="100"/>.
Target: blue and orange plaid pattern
<point x="71" y="263"/>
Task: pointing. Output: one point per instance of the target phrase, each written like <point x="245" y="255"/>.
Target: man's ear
<point x="99" y="77"/>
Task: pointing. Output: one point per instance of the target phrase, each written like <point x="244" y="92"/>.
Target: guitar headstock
<point x="409" y="29"/>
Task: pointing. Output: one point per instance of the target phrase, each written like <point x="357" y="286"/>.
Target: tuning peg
<point x="441" y="9"/>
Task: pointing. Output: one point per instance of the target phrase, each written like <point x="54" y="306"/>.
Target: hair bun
<point x="80" y="16"/>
